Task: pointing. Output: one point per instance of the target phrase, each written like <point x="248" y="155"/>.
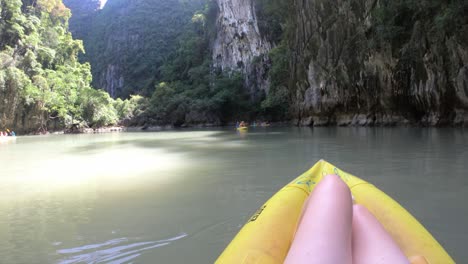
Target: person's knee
<point x="360" y="209"/>
<point x="364" y="220"/>
<point x="361" y="213"/>
<point x="336" y="183"/>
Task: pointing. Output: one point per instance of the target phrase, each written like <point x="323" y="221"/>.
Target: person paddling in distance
<point x="347" y="233"/>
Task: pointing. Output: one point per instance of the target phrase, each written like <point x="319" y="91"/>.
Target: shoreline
<point x="114" y="129"/>
<point x="459" y="120"/>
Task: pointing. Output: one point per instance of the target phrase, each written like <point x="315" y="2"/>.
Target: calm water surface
<point x="180" y="196"/>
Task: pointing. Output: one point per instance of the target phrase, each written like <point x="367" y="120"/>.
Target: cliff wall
<point x="238" y="44"/>
<point x="344" y="72"/>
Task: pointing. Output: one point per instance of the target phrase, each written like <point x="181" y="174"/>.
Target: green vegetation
<point x="82" y="16"/>
<point x="273" y="18"/>
<point x="179" y="104"/>
<point x="276" y="104"/>
<point x="394" y="20"/>
<point x="42" y="84"/>
<point x="274" y="24"/>
<point x="128" y="41"/>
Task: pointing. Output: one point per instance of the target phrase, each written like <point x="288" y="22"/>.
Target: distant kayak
<point x="243" y="128"/>
<point x="267" y="236"/>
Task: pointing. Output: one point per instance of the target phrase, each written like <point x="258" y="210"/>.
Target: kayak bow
<point x="268" y="234"/>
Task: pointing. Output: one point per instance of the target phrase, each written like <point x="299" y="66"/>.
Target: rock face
<point x="14" y="114"/>
<point x="112" y="80"/>
<point x="239" y="45"/>
<point x="341" y="74"/>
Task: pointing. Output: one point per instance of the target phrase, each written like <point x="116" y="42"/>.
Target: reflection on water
<point x="114" y="251"/>
<point x="122" y="198"/>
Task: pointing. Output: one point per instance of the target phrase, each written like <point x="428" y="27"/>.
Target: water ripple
<point x="120" y="251"/>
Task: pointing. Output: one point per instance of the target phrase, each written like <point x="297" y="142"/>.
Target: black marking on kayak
<point x="257" y="213"/>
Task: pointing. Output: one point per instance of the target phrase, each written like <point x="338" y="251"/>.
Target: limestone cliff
<point x="239" y="43"/>
<point x="342" y="73"/>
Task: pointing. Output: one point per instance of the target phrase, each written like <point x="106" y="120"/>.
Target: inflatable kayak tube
<point x="268" y="234"/>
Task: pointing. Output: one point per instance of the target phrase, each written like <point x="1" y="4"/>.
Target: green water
<point x="180" y="196"/>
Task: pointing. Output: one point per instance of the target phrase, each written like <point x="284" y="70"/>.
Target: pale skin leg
<point x="371" y="243"/>
<point x="327" y="224"/>
<point x="324" y="233"/>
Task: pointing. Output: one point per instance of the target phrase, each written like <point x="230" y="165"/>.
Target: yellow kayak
<point x="268" y="234"/>
<point x="242" y="128"/>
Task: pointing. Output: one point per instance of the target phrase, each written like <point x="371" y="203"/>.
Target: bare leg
<point x="324" y="232"/>
<point x="371" y="242"/>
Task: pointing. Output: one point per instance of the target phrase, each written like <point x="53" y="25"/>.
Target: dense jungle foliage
<point x="131" y="40"/>
<point x="42" y="84"/>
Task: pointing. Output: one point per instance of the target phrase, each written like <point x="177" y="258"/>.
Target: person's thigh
<point x="371" y="243"/>
<point x="324" y="232"/>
